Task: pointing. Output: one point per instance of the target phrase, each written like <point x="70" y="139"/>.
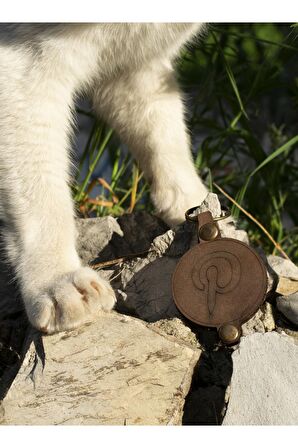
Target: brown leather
<point x="205" y="219"/>
<point x="219" y="282"/>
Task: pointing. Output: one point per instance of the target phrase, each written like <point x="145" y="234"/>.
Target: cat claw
<point x="74" y="299"/>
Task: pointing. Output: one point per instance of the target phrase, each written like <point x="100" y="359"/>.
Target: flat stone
<point x="264" y="381"/>
<point x="283" y="267"/>
<point x="288" y="305"/>
<point x="115" y="371"/>
<point x="286" y="286"/>
<point x="285" y="273"/>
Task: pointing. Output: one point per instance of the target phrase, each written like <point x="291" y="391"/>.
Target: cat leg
<point x="146" y="109"/>
<point x="36" y="207"/>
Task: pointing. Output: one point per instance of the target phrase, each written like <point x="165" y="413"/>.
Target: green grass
<point x="241" y="87"/>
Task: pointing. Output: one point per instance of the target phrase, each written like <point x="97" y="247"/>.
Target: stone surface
<point x="282" y="267"/>
<point x="114" y="371"/>
<point x="283" y="274"/>
<point x="261" y="322"/>
<point x="108" y="238"/>
<point x="143" y="285"/>
<point x="177" y="329"/>
<point x="288" y="305"/>
<point x="264" y="382"/>
<point x="94" y="235"/>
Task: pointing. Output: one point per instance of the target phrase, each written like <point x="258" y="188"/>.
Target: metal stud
<point x="209" y="231"/>
<point x="229" y="333"/>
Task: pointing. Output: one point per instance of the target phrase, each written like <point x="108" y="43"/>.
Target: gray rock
<point x="261" y="322"/>
<point x="115" y="371"/>
<point x="158" y="358"/>
<point x="282" y="267"/>
<point x="282" y="274"/>
<point x="109" y="238"/>
<point x="264" y="382"/>
<point x="288" y="305"/>
<point x="94" y="235"/>
<point x="149" y="292"/>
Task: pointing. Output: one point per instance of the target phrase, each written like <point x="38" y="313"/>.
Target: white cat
<point x="127" y="69"/>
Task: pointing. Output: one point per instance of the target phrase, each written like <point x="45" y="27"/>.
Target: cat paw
<point x="70" y="301"/>
<point x="172" y="203"/>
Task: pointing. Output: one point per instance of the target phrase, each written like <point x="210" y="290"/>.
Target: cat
<point x="127" y="71"/>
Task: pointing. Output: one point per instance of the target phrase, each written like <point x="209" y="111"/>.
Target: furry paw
<point x="71" y="300"/>
<point x="171" y="203"/>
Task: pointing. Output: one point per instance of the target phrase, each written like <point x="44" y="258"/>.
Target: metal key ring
<point x="225" y="213"/>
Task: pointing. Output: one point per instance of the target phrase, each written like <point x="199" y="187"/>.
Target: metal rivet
<point x="229" y="333"/>
<point x="208" y="231"/>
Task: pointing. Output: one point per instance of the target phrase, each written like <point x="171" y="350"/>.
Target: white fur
<point x="127" y="69"/>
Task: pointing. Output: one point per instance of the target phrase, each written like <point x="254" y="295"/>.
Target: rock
<point x="261" y="322"/>
<point x="285" y="330"/>
<point x="115" y="371"/>
<point x="288" y="305"/>
<point x="286" y="274"/>
<point x="177" y="329"/>
<point x="264" y="382"/>
<point x="140" y="374"/>
<point x="283" y="268"/>
<point x="108" y="238"/>
<point x="149" y="292"/>
<point x="267" y="317"/>
<point x="94" y="235"/>
<point x="286" y="286"/>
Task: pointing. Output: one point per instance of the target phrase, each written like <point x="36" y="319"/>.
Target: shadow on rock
<point x="205" y="402"/>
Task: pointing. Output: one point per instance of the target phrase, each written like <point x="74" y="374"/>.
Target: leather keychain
<point x="220" y="282"/>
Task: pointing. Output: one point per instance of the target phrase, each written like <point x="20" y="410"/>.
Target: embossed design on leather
<point x="208" y="293"/>
<point x="216" y="274"/>
<point x="220" y="282"/>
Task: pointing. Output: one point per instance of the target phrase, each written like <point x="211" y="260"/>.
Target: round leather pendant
<point x="219" y="282"/>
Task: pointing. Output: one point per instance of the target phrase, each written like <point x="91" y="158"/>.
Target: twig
<point x="108" y="187"/>
<point x="103" y="264"/>
<point x="99" y="202"/>
<point x="117" y="275"/>
<point x="278" y="247"/>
